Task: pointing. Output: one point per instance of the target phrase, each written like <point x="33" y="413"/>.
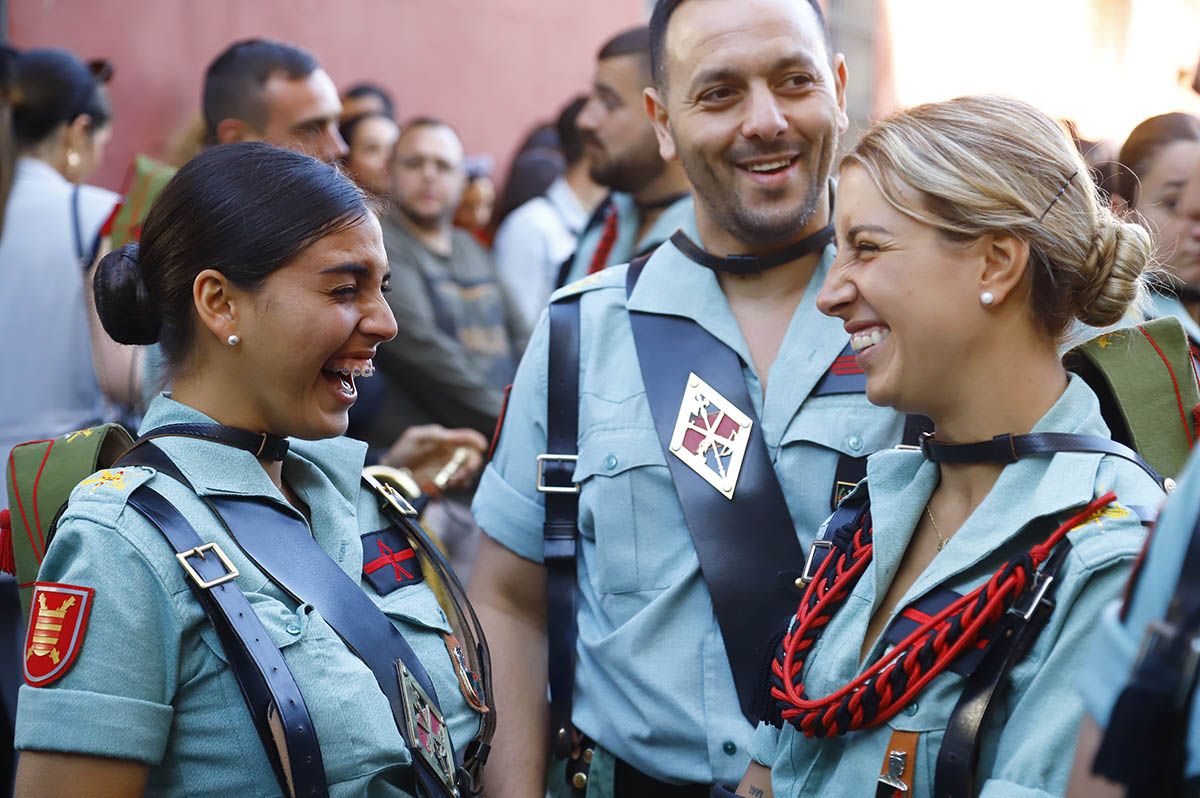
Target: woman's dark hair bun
<point x="123" y="301"/>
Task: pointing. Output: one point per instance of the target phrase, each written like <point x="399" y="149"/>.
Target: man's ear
<point x="231" y="131"/>
<point x="217" y="303"/>
<point x="1005" y="262"/>
<point x="656" y="109"/>
<point x="839" y="83"/>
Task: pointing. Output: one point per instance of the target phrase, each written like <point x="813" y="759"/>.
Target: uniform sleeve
<point x="1032" y="757"/>
<point x="507" y="505"/>
<point x="1116" y="643"/>
<point x="431" y="365"/>
<point x="115" y="699"/>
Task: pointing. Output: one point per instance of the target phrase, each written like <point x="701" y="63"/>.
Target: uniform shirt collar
<point x="902" y="482"/>
<point x="36" y="169"/>
<point x="216" y="469"/>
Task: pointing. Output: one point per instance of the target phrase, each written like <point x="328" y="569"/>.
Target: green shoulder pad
<point x="1147" y="387"/>
<point x="40" y="478"/>
<point x="147" y="179"/>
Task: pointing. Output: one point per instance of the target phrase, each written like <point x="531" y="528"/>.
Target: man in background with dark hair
<point x="535" y="239"/>
<point x="657" y="483"/>
<point x="649" y="197"/>
<point x="366" y="98"/>
<point x="262" y="90"/>
<point x="459" y="340"/>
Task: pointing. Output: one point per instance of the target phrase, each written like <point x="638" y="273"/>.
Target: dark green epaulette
<point x="40" y="478"/>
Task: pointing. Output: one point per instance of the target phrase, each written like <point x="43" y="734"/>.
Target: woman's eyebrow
<point x="357" y="269"/>
<point x="866" y="228"/>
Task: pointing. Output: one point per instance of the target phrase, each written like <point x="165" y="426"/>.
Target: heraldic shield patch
<point x="389" y="562"/>
<point x="57" y="622"/>
<point x="711" y="435"/>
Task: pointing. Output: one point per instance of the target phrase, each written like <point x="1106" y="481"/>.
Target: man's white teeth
<point x="871" y="337"/>
<point x="769" y="167"/>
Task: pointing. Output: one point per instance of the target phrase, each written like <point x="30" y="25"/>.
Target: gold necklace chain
<point x="941" y="540"/>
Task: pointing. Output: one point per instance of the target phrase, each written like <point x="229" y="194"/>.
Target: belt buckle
<point x="1025" y="606"/>
<point x="230" y="574"/>
<point x="542" y="459"/>
<point x="426" y="730"/>
<point x="395" y="498"/>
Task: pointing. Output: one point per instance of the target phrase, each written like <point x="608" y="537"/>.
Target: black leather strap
<point x="561" y="530"/>
<point x="1010" y="448"/>
<point x="260" y="444"/>
<point x="257" y="665"/>
<point x="753" y="264"/>
<point x="959" y="753"/>
<point x="744" y="543"/>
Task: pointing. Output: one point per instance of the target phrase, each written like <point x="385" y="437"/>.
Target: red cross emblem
<point x="711" y="435"/>
<point x="389" y="562"/>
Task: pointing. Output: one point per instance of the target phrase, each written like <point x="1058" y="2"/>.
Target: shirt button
<point x="730" y="747"/>
<point x="610" y="462"/>
<point x="293" y="628"/>
<point x="854" y="442"/>
<point x="911" y="709"/>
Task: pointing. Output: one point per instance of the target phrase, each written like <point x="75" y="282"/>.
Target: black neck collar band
<point x="260" y="444"/>
<point x="753" y="264"/>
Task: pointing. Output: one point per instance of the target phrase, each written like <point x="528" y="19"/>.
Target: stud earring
<point x="987" y="298"/>
<point x="233" y="340"/>
<point x="73" y="159"/>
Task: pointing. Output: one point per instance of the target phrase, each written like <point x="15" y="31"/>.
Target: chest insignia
<point x="711" y="435"/>
<point x="57" y="622"/>
<point x="389" y="562"/>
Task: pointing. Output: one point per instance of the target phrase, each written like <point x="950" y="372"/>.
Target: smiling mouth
<point x="342" y="372"/>
<point x="865" y="339"/>
<point x="769" y="167"/>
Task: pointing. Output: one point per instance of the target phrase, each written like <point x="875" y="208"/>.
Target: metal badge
<point x="426" y="729"/>
<point x="897" y="763"/>
<point x="711" y="435"/>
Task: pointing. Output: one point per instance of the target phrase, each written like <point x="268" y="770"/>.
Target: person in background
<point x="459" y="338"/>
<point x="649" y="197"/>
<point x="60" y="125"/>
<point x="362" y="98"/>
<point x="538" y="162"/>
<point x="532" y="243"/>
<point x="371" y="137"/>
<point x="478" y="203"/>
<point x="1156" y="162"/>
<point x="262" y="90"/>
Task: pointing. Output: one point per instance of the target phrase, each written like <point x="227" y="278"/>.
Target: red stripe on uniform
<point x="845" y="366"/>
<point x="395" y="558"/>
<point x="37" y="518"/>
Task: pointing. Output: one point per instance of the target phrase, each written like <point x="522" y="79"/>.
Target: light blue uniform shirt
<point x="653" y="684"/>
<point x="1027" y="751"/>
<point x="151" y="683"/>
<point x="1118" y="642"/>
<point x="628" y="246"/>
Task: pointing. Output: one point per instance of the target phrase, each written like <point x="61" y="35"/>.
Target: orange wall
<point x="490" y="67"/>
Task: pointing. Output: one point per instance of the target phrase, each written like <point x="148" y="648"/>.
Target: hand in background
<point x="426" y="450"/>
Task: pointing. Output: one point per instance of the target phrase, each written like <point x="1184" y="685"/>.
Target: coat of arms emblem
<point x="711" y="435"/>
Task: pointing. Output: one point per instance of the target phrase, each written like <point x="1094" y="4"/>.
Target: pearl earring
<point x="73" y="160"/>
<point x="987" y="298"/>
<point x="233" y="340"/>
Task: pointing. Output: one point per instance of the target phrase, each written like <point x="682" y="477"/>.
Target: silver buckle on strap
<point x="542" y="459"/>
<point x="230" y="574"/>
<point x="811" y="564"/>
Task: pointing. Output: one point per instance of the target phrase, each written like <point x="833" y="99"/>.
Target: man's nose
<point x="764" y="118"/>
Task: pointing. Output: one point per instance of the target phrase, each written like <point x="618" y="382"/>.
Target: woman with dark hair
<point x="261" y="273"/>
<point x="1156" y="162"/>
<point x="58" y="124"/>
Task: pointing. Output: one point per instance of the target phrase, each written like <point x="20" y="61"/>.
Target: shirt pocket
<point x="628" y="504"/>
<point x="827" y="430"/>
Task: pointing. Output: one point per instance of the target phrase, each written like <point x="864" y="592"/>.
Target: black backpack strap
<point x="266" y="683"/>
<point x="754" y="592"/>
<point x="959" y="753"/>
<point x="556" y="483"/>
<point x="1145" y="742"/>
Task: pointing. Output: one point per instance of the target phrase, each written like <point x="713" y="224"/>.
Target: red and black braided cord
<point x="892" y="682"/>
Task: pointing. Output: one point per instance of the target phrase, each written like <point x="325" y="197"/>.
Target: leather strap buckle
<point x="811" y="563"/>
<point x="542" y="459"/>
<point x="1025" y="606"/>
<point x="398" y="501"/>
<point x="230" y="574"/>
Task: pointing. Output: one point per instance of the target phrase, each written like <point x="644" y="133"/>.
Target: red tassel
<point x="8" y="562"/>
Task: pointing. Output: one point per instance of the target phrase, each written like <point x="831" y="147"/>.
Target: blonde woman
<point x="970" y="239"/>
